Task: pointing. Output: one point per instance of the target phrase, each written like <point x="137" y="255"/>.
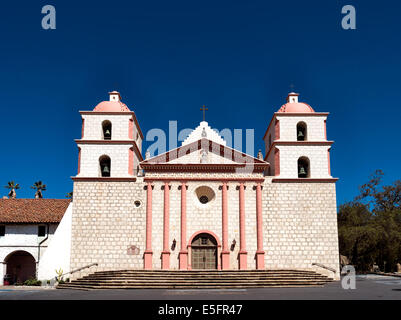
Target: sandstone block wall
<point x="315" y="127"/>
<point x="318" y="160"/>
<point x="105" y="224"/>
<point x="299" y="223"/>
<point x="90" y="154"/>
<point x="300" y="226"/>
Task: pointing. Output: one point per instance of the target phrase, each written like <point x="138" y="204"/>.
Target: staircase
<point x="196" y="279"/>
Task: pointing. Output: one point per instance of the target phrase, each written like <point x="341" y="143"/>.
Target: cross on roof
<point x="203" y="109"/>
<point x="292" y="86"/>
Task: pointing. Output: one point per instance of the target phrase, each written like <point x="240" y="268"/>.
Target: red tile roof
<point x="32" y="210"/>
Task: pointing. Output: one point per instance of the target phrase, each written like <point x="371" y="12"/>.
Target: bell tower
<point x="111" y="141"/>
<point x="296" y="142"/>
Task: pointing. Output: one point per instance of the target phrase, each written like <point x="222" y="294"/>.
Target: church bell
<point x="300" y="134"/>
<point x="302" y="171"/>
<point x="106" y="169"/>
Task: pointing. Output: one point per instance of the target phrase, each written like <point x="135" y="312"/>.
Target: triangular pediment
<point x="203" y="153"/>
<point x="204" y="131"/>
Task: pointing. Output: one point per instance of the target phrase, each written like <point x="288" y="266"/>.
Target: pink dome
<point x="111" y="106"/>
<point x="296" y="107"/>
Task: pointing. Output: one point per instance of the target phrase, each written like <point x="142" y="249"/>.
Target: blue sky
<point x="167" y="58"/>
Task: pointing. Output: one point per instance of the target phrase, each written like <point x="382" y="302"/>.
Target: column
<point x="166" y="228"/>
<point x="225" y="254"/>
<point x="183" y="256"/>
<point x="148" y="251"/>
<point x="260" y="254"/>
<point x="242" y="249"/>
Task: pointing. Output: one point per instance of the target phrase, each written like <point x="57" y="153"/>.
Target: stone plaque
<point x="133" y="250"/>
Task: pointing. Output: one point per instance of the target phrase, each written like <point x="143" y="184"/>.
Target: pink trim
<point x="131" y="129"/>
<point x="116" y="113"/>
<point x="105" y="179"/>
<point x="131" y="161"/>
<point x="82" y="130"/>
<point x="189" y="246"/>
<point x="103" y="142"/>
<point x="288" y="114"/>
<point x="148" y="252"/>
<point x="304" y="180"/>
<point x="260" y="259"/>
<point x="301" y="114"/>
<point x="268" y="127"/>
<point x="276" y="162"/>
<point x="203" y="231"/>
<point x="79" y="160"/>
<point x="325" y="130"/>
<point x="242" y="253"/>
<point x="183" y="255"/>
<point x="328" y="160"/>
<point x="225" y="254"/>
<point x="277" y="130"/>
<point x="297" y="143"/>
<point x="166" y="228"/>
<point x="250" y="179"/>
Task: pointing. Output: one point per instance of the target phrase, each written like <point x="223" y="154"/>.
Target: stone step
<point x="196" y="280"/>
<point x="163" y="279"/>
<point x="174" y="272"/>
<point x="150" y="286"/>
<point x="199" y="276"/>
<point x="202" y="278"/>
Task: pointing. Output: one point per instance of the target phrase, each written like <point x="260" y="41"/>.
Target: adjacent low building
<point x="29" y="228"/>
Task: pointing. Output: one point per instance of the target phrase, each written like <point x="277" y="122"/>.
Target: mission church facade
<point x="204" y="205"/>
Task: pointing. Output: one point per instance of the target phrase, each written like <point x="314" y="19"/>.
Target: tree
<point x="69" y="195"/>
<point x="39" y="187"/>
<point x="12" y="186"/>
<point x="369" y="227"/>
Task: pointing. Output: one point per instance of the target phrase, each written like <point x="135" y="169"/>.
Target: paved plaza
<point x="371" y="287"/>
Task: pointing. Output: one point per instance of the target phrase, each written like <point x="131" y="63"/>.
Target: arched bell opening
<point x="20" y="266"/>
<point x="303" y="167"/>
<point x="105" y="166"/>
<point x="106" y="130"/>
<point x="302" y="131"/>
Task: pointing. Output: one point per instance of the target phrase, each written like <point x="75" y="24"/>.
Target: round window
<point x="137" y="203"/>
<point x="204" y="194"/>
<point x="203" y="199"/>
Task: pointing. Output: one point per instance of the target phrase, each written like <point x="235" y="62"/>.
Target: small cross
<point x="203" y="109"/>
<point x="292" y="87"/>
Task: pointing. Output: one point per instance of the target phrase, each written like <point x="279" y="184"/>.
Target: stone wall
<point x="119" y="131"/>
<point x="300" y="226"/>
<point x="106" y="223"/>
<point x="317" y="155"/>
<point x="90" y="154"/>
<point x="299" y="223"/>
<point x="315" y="127"/>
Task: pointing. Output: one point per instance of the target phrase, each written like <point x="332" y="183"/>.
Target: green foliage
<point x="12" y="185"/>
<point x="32" y="282"/>
<point x="369" y="228"/>
<point x="69" y="195"/>
<point x="39" y="187"/>
<point x="59" y="277"/>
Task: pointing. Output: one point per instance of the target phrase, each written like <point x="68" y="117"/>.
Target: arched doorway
<point x="204" y="252"/>
<point x="21" y="266"/>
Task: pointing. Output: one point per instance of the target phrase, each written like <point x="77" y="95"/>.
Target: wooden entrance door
<point x="204" y="252"/>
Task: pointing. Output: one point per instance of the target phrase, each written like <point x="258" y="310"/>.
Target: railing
<point x="79" y="269"/>
<point x="324" y="267"/>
